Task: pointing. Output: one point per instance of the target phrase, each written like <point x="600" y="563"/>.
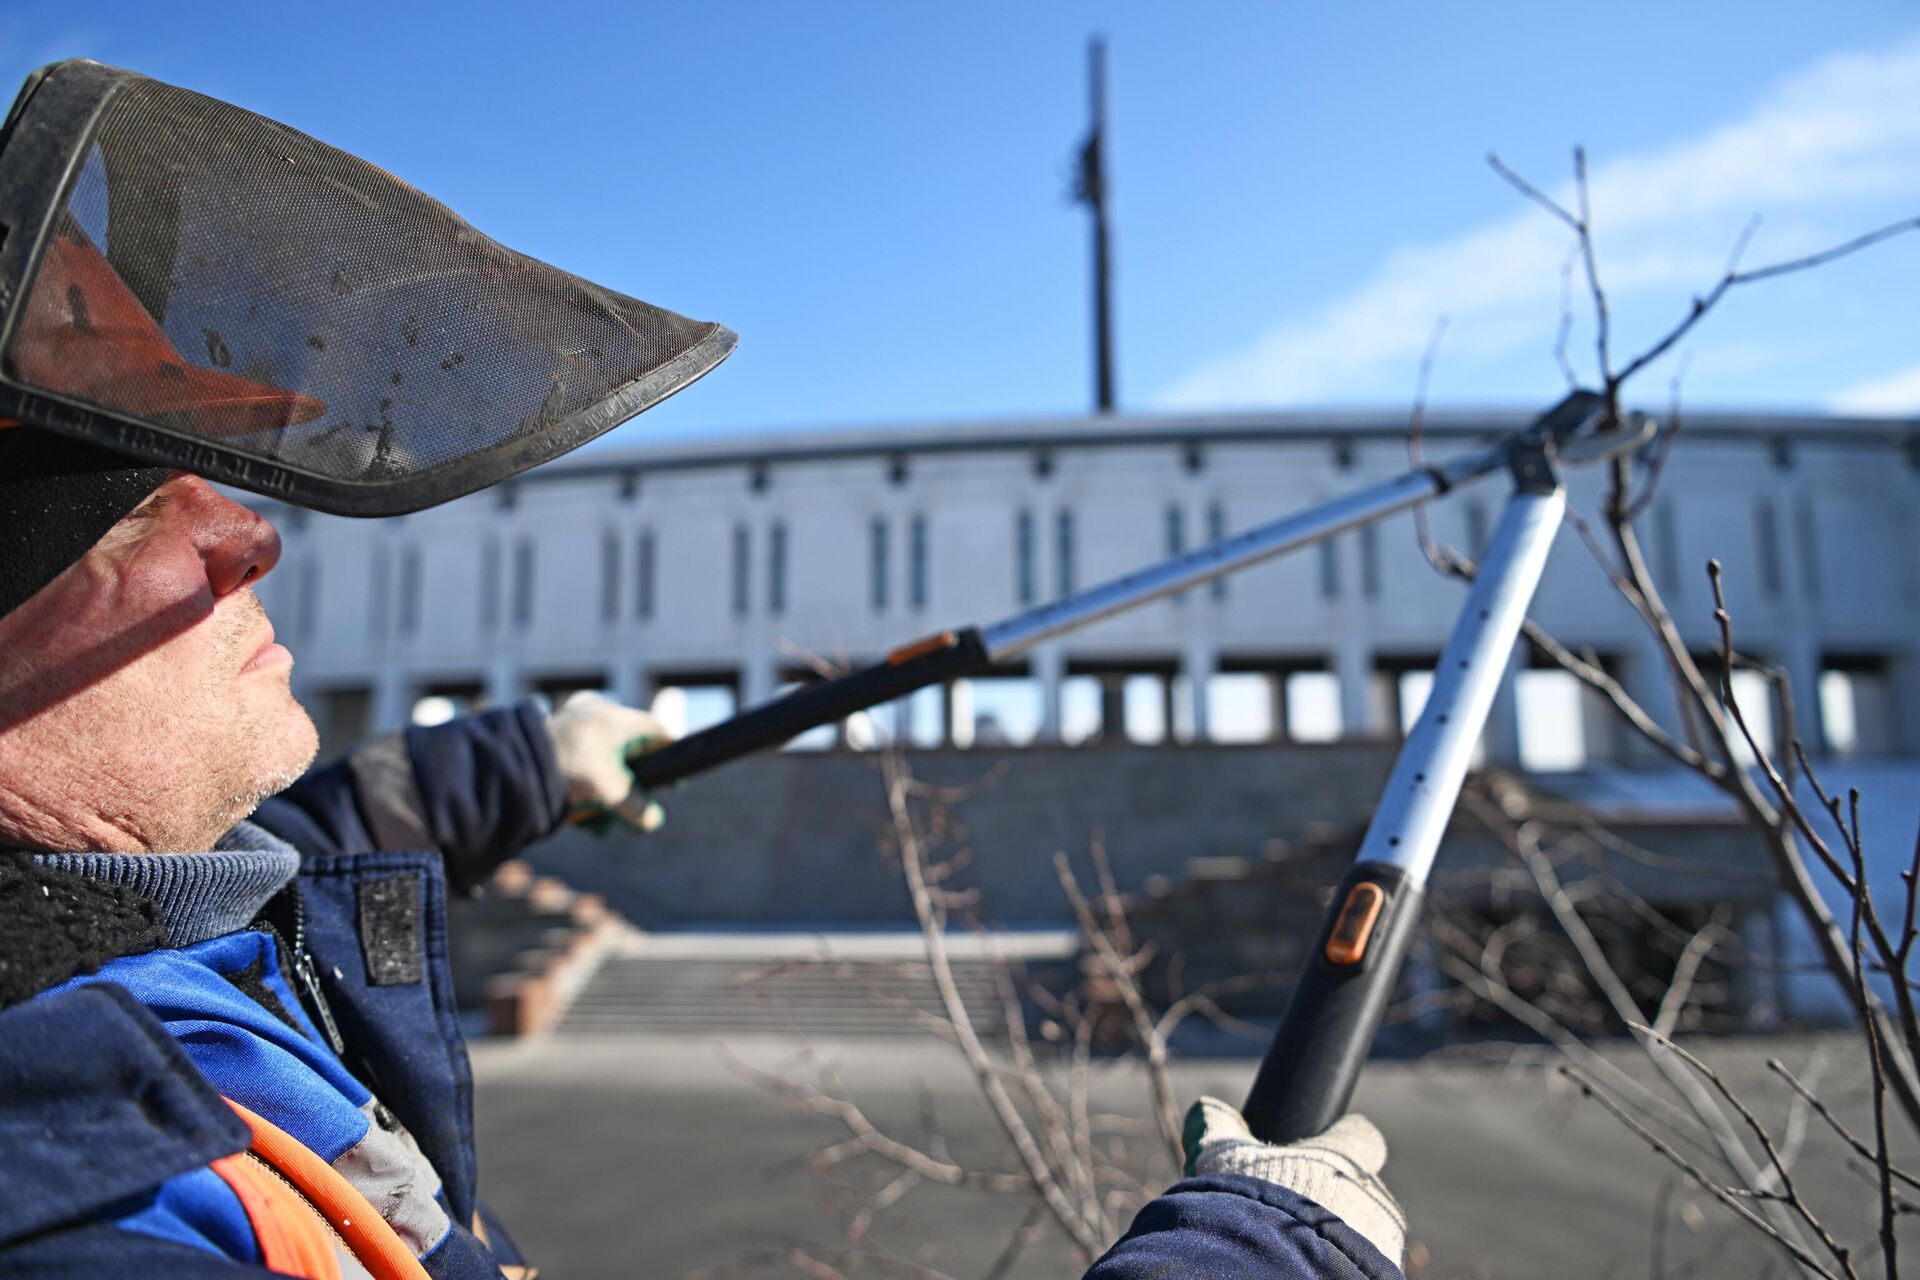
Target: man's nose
<point x="238" y="546"/>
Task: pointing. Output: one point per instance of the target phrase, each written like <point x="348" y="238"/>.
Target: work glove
<point x="592" y="737"/>
<point x="1339" y="1170"/>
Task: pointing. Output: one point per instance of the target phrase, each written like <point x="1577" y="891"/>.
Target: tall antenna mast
<point x="1091" y="190"/>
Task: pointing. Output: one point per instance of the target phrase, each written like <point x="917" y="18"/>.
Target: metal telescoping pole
<point x="1307" y="1078"/>
<point x="973" y="651"/>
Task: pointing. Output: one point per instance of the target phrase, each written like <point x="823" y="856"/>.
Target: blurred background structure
<point x="1219" y="725"/>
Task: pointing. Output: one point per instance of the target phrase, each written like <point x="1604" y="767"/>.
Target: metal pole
<point x="973" y="651"/>
<point x="1021" y="632"/>
<point x="1093" y="186"/>
<point x="1307" y="1078"/>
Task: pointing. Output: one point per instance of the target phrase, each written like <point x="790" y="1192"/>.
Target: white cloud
<point x="1844" y="131"/>
<point x="1896" y="394"/>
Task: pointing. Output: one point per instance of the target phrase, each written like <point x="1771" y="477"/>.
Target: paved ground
<point x="650" y="1156"/>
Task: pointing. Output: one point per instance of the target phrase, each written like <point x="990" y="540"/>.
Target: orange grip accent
<point x="921" y="648"/>
<point x="1347" y="945"/>
<point x="379" y="1249"/>
<point x="293" y="1241"/>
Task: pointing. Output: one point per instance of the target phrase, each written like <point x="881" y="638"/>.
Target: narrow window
<point x="1766" y="530"/>
<point x="1217" y="532"/>
<point x="643" y="575"/>
<point x="1064" y="549"/>
<point x="1023" y="555"/>
<point x="490" y="584"/>
<point x="877" y="562"/>
<point x="1329" y="569"/>
<point x="609" y="576"/>
<point x="1370" y="561"/>
<point x="777" y="568"/>
<point x="523" y="582"/>
<point x="1176" y="537"/>
<point x="409" y="591"/>
<point x="1666" y="549"/>
<point x="917" y="562"/>
<point x="742" y="558"/>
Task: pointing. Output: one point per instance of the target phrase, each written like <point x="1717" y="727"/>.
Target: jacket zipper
<point x="308" y="974"/>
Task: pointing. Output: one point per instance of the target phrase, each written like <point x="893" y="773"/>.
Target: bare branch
<point x="1718" y="1192"/>
<point x="1702" y="305"/>
<point x="1166" y="1108"/>
<point x="1783" y="1177"/>
<point x="1084" y="1234"/>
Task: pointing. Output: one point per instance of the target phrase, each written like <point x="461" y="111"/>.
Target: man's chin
<point x="284" y="749"/>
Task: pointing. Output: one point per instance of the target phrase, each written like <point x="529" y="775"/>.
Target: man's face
<point x="143" y="703"/>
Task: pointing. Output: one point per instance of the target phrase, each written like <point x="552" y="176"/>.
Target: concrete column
<point x="1353" y="667"/>
<point x="624" y="684"/>
<point x="1800" y="655"/>
<point x="1113" y="707"/>
<point x="1198" y="663"/>
<point x="392" y="700"/>
<point x="1502" y="734"/>
<point x="1648" y="681"/>
<point x="503" y="680"/>
<point x="756" y="676"/>
<point x="1799" y="651"/>
<point x="1049" y="666"/>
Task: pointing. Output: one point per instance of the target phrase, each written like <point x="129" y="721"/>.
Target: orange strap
<point x="293" y="1241"/>
<point x="379" y="1249"/>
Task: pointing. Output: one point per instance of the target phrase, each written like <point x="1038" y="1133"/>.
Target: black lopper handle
<point x="1306" y="1080"/>
<point x="931" y="661"/>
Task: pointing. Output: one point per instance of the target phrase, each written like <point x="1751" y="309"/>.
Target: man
<point x="227" y="1040"/>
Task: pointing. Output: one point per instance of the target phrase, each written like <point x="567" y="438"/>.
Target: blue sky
<point x="874" y="195"/>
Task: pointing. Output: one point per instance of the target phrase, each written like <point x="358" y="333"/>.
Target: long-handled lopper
<point x="1307" y="1077"/>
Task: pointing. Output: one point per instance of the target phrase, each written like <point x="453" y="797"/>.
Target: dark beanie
<point x="57" y="498"/>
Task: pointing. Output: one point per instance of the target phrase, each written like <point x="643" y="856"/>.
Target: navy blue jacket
<point x="110" y="1097"/>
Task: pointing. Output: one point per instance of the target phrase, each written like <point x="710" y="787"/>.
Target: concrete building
<point x="716" y="569"/>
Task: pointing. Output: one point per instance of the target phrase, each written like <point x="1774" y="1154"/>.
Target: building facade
<point x="719" y="572"/>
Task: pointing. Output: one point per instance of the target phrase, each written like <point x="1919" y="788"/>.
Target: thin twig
<point x="1680" y="1162"/>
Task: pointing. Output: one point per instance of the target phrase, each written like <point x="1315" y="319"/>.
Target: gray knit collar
<point x="199" y="895"/>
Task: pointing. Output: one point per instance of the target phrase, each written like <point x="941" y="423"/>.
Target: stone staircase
<point x="851" y="985"/>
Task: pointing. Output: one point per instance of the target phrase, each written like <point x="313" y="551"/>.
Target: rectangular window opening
<point x="523" y="567"/>
<point x="643" y="576"/>
<point x="917" y="562"/>
<point x="1313" y="706"/>
<point x="877" y="567"/>
<point x="1329" y="568"/>
<point x="1063" y="549"/>
<point x="777" y="568"/>
<point x="742" y="563"/>
<point x="1023" y="556"/>
<point x="609" y="576"/>
<point x="1217" y="532"/>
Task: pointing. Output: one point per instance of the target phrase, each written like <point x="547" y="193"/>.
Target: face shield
<point x="189" y="285"/>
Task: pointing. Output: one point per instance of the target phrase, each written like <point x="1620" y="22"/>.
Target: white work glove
<point x="592" y="737"/>
<point x="1339" y="1170"/>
